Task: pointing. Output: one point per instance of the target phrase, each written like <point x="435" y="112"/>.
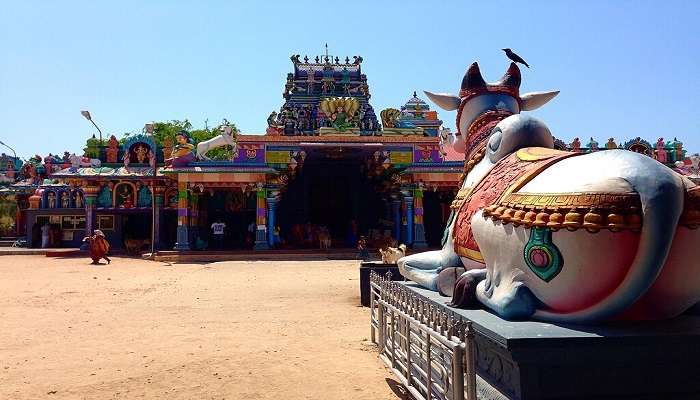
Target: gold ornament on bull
<point x="340" y="111"/>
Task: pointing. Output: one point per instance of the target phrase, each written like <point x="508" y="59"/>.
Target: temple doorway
<point x="334" y="195"/>
<point x="232" y="207"/>
<point x="136" y="231"/>
<point x="436" y="206"/>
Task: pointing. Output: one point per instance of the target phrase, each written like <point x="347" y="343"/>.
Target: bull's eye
<point x="495" y="139"/>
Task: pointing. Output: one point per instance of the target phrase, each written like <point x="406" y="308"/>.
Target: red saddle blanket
<point x="507" y="176"/>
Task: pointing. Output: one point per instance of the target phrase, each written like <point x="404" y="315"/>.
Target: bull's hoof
<point x="464" y="295"/>
<point x="446" y="280"/>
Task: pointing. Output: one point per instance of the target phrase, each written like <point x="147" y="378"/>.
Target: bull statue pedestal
<point x="523" y="360"/>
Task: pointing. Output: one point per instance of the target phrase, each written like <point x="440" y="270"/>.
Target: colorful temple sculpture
<point x="579" y="235"/>
<point x="325" y="167"/>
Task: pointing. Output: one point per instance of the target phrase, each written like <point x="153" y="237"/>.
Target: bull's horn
<point x="445" y="101"/>
<point x="511" y="78"/>
<point x="534" y="100"/>
<point x="472" y="78"/>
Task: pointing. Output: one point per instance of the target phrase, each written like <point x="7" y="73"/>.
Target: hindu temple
<point x="327" y="166"/>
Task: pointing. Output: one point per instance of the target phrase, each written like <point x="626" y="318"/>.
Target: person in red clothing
<point x="98" y="247"/>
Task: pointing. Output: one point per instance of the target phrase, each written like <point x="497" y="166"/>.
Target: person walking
<point x="98" y="247"/>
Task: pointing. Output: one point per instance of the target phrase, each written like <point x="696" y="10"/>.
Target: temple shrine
<point x="327" y="167"/>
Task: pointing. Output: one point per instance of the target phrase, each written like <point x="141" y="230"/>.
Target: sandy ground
<point x="228" y="330"/>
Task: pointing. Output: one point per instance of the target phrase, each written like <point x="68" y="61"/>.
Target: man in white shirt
<point x="217" y="230"/>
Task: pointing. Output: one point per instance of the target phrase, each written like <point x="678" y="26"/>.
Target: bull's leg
<point x="510" y="300"/>
<point x="424" y="268"/>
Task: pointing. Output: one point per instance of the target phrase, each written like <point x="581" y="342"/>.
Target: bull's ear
<point x="446" y="101"/>
<point x="534" y="100"/>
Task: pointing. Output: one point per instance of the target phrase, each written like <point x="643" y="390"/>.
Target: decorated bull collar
<point x="480" y="129"/>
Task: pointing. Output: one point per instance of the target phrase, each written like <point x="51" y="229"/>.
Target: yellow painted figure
<point x="182" y="151"/>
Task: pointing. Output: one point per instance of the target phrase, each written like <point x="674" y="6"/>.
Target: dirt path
<point x="228" y="330"/>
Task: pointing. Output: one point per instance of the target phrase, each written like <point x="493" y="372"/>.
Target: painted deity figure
<point x="65" y="200"/>
<point x="144" y="198"/>
<point x="678" y="147"/>
<point x="51" y="199"/>
<point x="576" y="145"/>
<point x="112" y="149"/>
<point x="661" y="154"/>
<point x="167" y="146"/>
<point x="104" y="198"/>
<point x="181" y="154"/>
<point x="341" y="120"/>
<point x="593" y="145"/>
<point x="611" y="144"/>
<point x="126" y="196"/>
<point x="141" y="153"/>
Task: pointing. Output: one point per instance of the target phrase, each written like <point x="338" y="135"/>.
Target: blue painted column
<point x="408" y="200"/>
<point x="271" y="210"/>
<point x="396" y="209"/>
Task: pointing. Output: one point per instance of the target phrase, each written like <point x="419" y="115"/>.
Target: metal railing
<point x="429" y="351"/>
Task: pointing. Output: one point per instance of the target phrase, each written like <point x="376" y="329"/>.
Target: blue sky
<point x="624" y="68"/>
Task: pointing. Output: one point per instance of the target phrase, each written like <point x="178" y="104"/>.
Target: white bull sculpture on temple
<point x="558" y="236"/>
<point x="226" y="138"/>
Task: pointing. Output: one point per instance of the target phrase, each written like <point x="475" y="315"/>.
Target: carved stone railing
<point x="430" y="352"/>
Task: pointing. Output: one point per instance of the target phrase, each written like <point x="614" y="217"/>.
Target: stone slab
<point x="534" y="360"/>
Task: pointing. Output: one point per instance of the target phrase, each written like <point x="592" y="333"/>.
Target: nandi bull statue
<point x="227" y="137"/>
<point x="558" y="236"/>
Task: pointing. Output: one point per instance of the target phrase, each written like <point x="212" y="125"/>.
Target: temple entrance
<point x="436" y="206"/>
<point x="135" y="231"/>
<point x="168" y="228"/>
<point x="332" y="195"/>
<point x="231" y="207"/>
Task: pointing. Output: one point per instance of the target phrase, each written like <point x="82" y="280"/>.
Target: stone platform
<point x="533" y="360"/>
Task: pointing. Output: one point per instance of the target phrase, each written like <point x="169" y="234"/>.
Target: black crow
<point x="516" y="58"/>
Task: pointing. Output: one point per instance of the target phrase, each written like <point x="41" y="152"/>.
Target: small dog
<point x="324" y="240"/>
<point x="392" y="254"/>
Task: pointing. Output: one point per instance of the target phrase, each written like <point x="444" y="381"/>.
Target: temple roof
<point x="105" y="172"/>
<point x="394" y="139"/>
<point x="416" y="102"/>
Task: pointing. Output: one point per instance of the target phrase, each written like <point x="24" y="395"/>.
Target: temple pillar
<point x="419" y="229"/>
<point x="194" y="218"/>
<point x="396" y="211"/>
<point x="183" y="240"/>
<point x="408" y="201"/>
<point x="90" y="198"/>
<point x="271" y="214"/>
<point x="157" y="208"/>
<point x="260" y="219"/>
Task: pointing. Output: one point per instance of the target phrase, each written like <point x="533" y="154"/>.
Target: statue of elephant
<point x="558" y="236"/>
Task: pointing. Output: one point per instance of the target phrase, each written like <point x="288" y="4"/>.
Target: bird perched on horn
<point x="514" y="57"/>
